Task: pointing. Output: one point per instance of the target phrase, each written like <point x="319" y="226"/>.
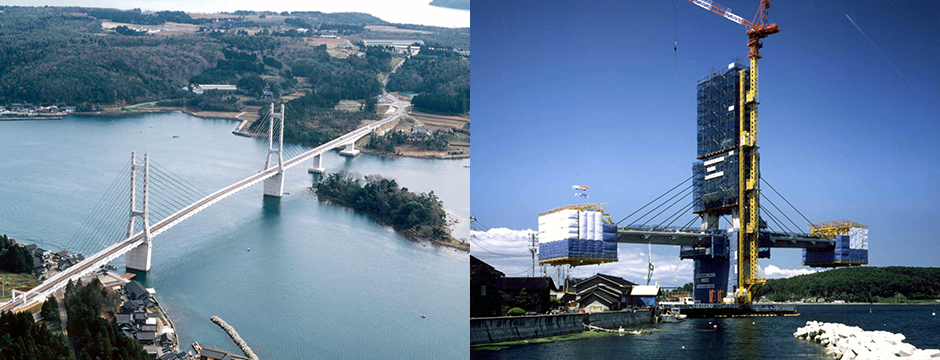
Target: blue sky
<point x="595" y="95"/>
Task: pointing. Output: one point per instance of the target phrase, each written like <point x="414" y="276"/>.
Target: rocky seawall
<point x="853" y="343"/>
<point x="234" y="334"/>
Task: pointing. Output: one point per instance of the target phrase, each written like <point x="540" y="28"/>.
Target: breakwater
<point x="851" y="342"/>
<point x="234" y="334"/>
<point x="502" y="329"/>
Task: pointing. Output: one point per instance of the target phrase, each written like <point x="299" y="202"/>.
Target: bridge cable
<point x="96" y="209"/>
<point x="784" y="224"/>
<point x="688" y="224"/>
<point x="774" y="219"/>
<point x="103" y="212"/>
<point x="788" y="203"/>
<point x="177" y="177"/>
<point x="784" y="214"/>
<point x="183" y="194"/>
<point x="658" y="206"/>
<point x="684" y="209"/>
<point x="779" y="221"/>
<point x="668" y="207"/>
<point x="654" y="200"/>
<point x="110" y="224"/>
<point x="167" y="198"/>
<point x="185" y="189"/>
<point x="679" y="212"/>
<point x="70" y="244"/>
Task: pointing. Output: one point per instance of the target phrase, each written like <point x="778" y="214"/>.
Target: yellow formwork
<point x="600" y="207"/>
<point x="830" y="229"/>
<point x="575" y="261"/>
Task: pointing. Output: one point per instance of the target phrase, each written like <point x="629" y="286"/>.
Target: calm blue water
<point x="739" y="338"/>
<point x="319" y="282"/>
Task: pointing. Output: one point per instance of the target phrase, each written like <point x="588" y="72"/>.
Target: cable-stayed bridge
<point x="172" y="200"/>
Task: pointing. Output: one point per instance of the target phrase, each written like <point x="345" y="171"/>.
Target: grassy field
<point x="20" y="282"/>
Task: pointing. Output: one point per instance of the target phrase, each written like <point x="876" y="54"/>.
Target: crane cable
<point x="675" y="37"/>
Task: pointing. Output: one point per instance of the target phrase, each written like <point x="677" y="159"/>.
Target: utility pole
<point x="533" y="248"/>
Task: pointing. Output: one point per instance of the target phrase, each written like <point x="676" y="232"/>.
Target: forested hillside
<point x="860" y="284"/>
<point x="416" y="216"/>
<point x="441" y="77"/>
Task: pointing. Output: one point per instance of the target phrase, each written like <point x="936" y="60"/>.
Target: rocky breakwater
<point x="853" y="343"/>
<point x="234" y="334"/>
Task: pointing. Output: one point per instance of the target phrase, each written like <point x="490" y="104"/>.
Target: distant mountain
<point x="860" y="284"/>
<point x="453" y="4"/>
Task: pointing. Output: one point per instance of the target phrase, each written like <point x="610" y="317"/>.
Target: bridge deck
<point x="93" y="262"/>
<point x="696" y="238"/>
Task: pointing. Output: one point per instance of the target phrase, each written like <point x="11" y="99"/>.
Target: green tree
<point x="50" y="310"/>
<point x="524" y="300"/>
<point x="23" y="339"/>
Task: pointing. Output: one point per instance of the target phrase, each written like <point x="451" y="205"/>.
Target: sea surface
<point x="394" y="11"/>
<point x="738" y="338"/>
<point x="320" y="281"/>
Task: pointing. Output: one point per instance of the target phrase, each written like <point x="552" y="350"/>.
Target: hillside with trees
<point x="14" y="258"/>
<point x="64" y="56"/>
<point x="441" y="77"/>
<point x="23" y="339"/>
<point x="860" y="284"/>
<point x="414" y="216"/>
<point x="92" y="336"/>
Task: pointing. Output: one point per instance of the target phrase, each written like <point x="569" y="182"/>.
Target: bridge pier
<point x="350" y="150"/>
<point x="274" y="186"/>
<point x="709" y="221"/>
<point x="317" y="165"/>
<point x="139" y="257"/>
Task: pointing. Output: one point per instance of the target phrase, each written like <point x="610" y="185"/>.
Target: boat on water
<point x="672" y="315"/>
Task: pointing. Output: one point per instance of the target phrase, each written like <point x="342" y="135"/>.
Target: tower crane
<point x="749" y="170"/>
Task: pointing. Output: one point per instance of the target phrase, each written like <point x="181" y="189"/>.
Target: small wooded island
<point x="414" y="216"/>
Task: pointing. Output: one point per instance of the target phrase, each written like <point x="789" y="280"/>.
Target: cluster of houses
<point x="45" y="260"/>
<point x="30" y="108"/>
<point x="492" y="293"/>
<point x="137" y="323"/>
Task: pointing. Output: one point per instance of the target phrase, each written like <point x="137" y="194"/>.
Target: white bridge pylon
<point x="139" y="257"/>
<point x="274" y="186"/>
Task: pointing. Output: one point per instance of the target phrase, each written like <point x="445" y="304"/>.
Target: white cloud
<point x="508" y="251"/>
<point x="774" y="272"/>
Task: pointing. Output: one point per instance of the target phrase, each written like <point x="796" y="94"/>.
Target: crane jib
<point x="720" y="10"/>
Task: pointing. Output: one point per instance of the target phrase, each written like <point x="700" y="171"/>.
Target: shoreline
<point x="239" y="129"/>
<point x="429" y="157"/>
<point x="936" y="303"/>
<point x="403" y="235"/>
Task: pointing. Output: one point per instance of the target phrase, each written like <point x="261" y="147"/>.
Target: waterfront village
<point x="30" y="109"/>
<point x="140" y="316"/>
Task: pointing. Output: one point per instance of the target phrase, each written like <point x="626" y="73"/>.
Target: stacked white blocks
<point x="853" y="343"/>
